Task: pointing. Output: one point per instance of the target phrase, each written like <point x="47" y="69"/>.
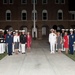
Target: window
<point x="33" y="15"/>
<point x="62" y="1"/>
<point x="24" y="1"/>
<point x="10" y="1"/>
<point x="59" y="1"/>
<point x="44" y="1"/>
<point x="24" y="15"/>
<point x="44" y="15"/>
<point x="72" y="16"/>
<point x="35" y="1"/>
<point x="8" y="15"/>
<point x="60" y="15"/>
<point x="5" y="1"/>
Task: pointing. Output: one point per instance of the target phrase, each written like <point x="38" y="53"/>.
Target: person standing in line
<point x="16" y="41"/>
<point x="20" y="43"/>
<point x="66" y="42"/>
<point x="59" y="42"/>
<point x="62" y="34"/>
<point x="55" y="31"/>
<point x="9" y="42"/>
<point x="28" y="41"/>
<point x="71" y="41"/>
<point x="13" y="44"/>
<point x="23" y="41"/>
<point x="52" y="41"/>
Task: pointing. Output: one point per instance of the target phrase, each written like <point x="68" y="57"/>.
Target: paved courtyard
<point x="37" y="62"/>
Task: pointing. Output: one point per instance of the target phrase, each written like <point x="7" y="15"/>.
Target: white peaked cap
<point x="2" y="30"/>
<point x="66" y="29"/>
<point x="7" y="30"/>
<point x="51" y="29"/>
<point x="63" y="29"/>
<point x="16" y="30"/>
<point x="20" y="30"/>
<point x="71" y="29"/>
<point x="23" y="30"/>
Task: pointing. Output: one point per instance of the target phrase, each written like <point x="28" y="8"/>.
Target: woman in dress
<point x="59" y="42"/>
<point x="28" y="41"/>
<point x="16" y="41"/>
<point x="66" y="42"/>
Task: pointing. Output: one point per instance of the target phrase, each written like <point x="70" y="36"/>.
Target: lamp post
<point x="34" y="20"/>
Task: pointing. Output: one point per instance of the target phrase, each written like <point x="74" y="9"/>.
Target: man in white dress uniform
<point x="52" y="41"/>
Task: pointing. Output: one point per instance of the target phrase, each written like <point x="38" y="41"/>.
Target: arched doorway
<point x="45" y="31"/>
<point x="73" y="26"/>
<point x="23" y="28"/>
<point x="8" y="27"/>
<point x="34" y="35"/>
<point x="60" y="27"/>
<point x="54" y="27"/>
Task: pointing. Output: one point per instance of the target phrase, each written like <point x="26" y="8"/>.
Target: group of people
<point x="62" y="40"/>
<point x="17" y="42"/>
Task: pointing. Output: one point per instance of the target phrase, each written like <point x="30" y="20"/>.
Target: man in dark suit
<point x="71" y="41"/>
<point x="23" y="41"/>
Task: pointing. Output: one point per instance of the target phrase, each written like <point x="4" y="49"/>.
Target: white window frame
<point x="71" y="16"/>
<point x="72" y="12"/>
<point x="45" y="3"/>
<point x="59" y="11"/>
<point x="23" y="3"/>
<point x="8" y="11"/>
<point x="64" y="2"/>
<point x="23" y="11"/>
<point x="35" y="15"/>
<point x="56" y="3"/>
<point x="12" y="2"/>
<point x="59" y="2"/>
<point x="45" y="11"/>
<point x="5" y="3"/>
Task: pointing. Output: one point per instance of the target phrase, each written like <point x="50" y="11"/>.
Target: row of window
<point x="60" y="1"/>
<point x="25" y="1"/>
<point x="8" y="1"/>
<point x="44" y="15"/>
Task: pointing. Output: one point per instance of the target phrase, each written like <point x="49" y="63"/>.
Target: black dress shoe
<point x="23" y="53"/>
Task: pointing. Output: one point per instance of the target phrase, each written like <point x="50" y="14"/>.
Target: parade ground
<point x="38" y="61"/>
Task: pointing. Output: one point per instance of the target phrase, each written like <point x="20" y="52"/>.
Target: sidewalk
<point x="37" y="62"/>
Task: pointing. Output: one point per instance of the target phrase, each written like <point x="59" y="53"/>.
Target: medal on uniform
<point x="72" y="36"/>
<point x="8" y="36"/>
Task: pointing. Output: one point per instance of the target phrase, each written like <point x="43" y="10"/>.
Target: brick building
<point x="18" y="14"/>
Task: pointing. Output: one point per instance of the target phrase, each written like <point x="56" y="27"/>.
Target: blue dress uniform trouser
<point x="9" y="49"/>
<point x="71" y="49"/>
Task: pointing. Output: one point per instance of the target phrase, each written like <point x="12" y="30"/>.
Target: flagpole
<point x="34" y="19"/>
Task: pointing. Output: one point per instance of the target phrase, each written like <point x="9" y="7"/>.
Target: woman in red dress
<point x="28" y="41"/>
<point x="66" y="42"/>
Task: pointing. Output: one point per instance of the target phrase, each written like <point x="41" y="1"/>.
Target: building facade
<point x="18" y="14"/>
